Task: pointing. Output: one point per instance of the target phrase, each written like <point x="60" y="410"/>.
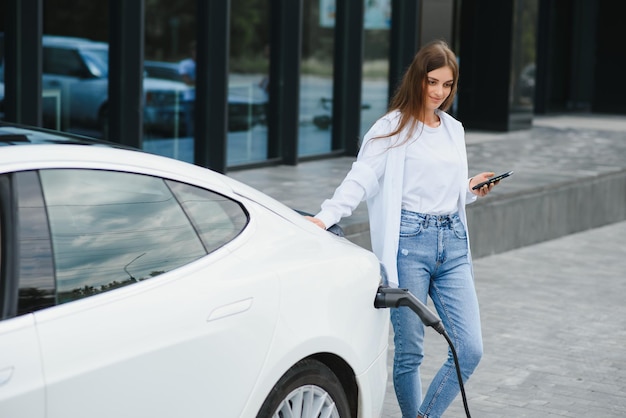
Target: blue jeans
<point x="432" y="260"/>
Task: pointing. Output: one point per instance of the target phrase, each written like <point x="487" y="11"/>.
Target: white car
<point x="135" y="285"/>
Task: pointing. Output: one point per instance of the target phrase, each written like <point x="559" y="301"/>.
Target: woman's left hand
<point x="479" y="178"/>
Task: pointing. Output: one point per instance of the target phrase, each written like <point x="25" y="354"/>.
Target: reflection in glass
<point x="111" y="229"/>
<point x="374" y="88"/>
<point x="523" y="57"/>
<point x="36" y="272"/>
<point x="316" y="81"/>
<point x="216" y="218"/>
<point x="170" y="32"/>
<point x="76" y="72"/>
<point x="74" y="87"/>
<point x="248" y="84"/>
<point x="170" y="46"/>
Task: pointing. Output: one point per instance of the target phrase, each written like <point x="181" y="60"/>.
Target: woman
<point x="412" y="170"/>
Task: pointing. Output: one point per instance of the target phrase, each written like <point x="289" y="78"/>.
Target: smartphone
<point x="493" y="179"/>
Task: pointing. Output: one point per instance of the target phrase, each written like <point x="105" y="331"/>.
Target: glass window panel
<point x="248" y="82"/>
<point x="36" y="271"/>
<point x="375" y="85"/>
<point x="216" y="218"/>
<point x="316" y="79"/>
<point x="75" y="75"/>
<point x="170" y="48"/>
<point x="111" y="229"/>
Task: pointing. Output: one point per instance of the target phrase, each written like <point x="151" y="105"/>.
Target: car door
<point x="21" y="377"/>
<point x="148" y="324"/>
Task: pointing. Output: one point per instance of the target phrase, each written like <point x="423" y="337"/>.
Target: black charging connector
<point x="389" y="297"/>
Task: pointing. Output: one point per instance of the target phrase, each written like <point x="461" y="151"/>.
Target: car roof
<point x="163" y="70"/>
<point x="14" y="134"/>
<point x="71" y="41"/>
<point x="161" y="64"/>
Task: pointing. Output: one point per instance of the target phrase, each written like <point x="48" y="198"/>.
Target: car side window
<point x="35" y="269"/>
<point x="216" y="218"/>
<point x="27" y="282"/>
<point x="62" y="61"/>
<point x="111" y="229"/>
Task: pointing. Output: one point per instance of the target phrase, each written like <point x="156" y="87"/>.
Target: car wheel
<point x="308" y="390"/>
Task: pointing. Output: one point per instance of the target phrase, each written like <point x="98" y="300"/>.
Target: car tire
<point x="309" y="382"/>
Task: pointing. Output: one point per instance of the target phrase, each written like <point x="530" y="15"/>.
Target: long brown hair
<point x="409" y="96"/>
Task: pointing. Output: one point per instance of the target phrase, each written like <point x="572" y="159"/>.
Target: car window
<point x="97" y="60"/>
<point x="62" y="61"/>
<point x="111" y="229"/>
<point x="35" y="268"/>
<point x="7" y="301"/>
<point x="27" y="282"/>
<point x="217" y="218"/>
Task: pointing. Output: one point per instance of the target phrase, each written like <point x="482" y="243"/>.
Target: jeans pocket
<point x="410" y="229"/>
<point x="459" y="229"/>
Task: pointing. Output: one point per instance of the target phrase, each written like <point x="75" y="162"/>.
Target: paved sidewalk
<point x="554" y="325"/>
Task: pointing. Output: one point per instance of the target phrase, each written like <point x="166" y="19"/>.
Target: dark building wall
<point x="497" y="58"/>
<point x="484" y="64"/>
<point x="609" y="90"/>
<point x="581" y="53"/>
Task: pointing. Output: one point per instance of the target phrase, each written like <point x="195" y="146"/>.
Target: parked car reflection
<point x="78" y="69"/>
<point x="247" y="103"/>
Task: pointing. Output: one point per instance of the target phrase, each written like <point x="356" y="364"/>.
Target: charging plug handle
<point x="390" y="297"/>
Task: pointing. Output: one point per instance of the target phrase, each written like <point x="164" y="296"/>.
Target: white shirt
<point x="431" y="168"/>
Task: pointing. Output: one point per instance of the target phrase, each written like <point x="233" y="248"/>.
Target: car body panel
<point x="212" y="336"/>
<point x="22" y="390"/>
<point x="153" y="367"/>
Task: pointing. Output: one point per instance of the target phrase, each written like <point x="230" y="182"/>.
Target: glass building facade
<point x="231" y="84"/>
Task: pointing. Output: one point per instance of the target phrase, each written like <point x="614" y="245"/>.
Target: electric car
<point x="136" y="285"/>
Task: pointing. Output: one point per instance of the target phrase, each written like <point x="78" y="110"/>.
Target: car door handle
<point x="5" y="375"/>
<point x="230" y="309"/>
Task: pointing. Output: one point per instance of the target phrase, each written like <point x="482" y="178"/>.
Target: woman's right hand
<point x="316" y="221"/>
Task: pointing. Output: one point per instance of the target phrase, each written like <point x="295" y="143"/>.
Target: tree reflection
<point x="87" y="290"/>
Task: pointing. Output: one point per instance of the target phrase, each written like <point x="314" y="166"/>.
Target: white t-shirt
<point x="431" y="169"/>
